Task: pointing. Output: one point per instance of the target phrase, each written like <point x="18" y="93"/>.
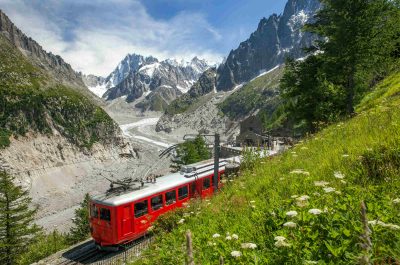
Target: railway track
<point x="89" y="254"/>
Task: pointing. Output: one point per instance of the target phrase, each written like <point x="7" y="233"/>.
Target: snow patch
<point x="149" y="69"/>
<point x="264" y="72"/>
<point x="298" y="20"/>
<point x="98" y="90"/>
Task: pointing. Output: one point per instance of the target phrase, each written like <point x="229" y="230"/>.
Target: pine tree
<point x="81" y="228"/>
<point x="356" y="44"/>
<point x="190" y="152"/>
<point x="17" y="230"/>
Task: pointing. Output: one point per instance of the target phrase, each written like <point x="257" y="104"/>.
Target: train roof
<point x="164" y="183"/>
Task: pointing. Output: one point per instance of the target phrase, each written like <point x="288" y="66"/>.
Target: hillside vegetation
<point x="31" y="101"/>
<point x="303" y="207"/>
<point x="260" y="93"/>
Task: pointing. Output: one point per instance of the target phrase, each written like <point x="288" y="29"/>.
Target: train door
<point x="193" y="191"/>
<point x="127" y="220"/>
<point x="207" y="189"/>
<point x="141" y="214"/>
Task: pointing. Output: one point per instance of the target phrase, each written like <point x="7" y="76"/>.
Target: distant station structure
<point x="252" y="133"/>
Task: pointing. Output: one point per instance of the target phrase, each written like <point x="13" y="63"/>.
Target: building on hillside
<point x="252" y="133"/>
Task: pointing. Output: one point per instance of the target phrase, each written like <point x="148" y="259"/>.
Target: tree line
<point x="358" y="44"/>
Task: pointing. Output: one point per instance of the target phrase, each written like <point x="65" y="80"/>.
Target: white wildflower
<point x="345" y="155"/>
<point x="338" y="175"/>
<point x="338" y="192"/>
<point x="253" y="206"/>
<point x="302" y="204"/>
<point x="281" y="241"/>
<point x="300" y="171"/>
<point x="293" y="152"/>
<point x="234" y="236"/>
<point x="236" y="254"/>
<point x="290" y="224"/>
<point x="211" y="243"/>
<point x="343" y="181"/>
<point x="281" y="178"/>
<point x="216" y="235"/>
<point x="280" y="238"/>
<point x="151" y="228"/>
<point x="315" y="211"/>
<point x="329" y="189"/>
<point x="303" y="198"/>
<point x="317" y="194"/>
<point x="252" y="201"/>
<point x="291" y="213"/>
<point x="294" y="196"/>
<point x="396" y="201"/>
<point x="228" y="238"/>
<point x="273" y="214"/>
<point x="181" y="221"/>
<point x="320" y="183"/>
<point x="380" y="223"/>
<point x="248" y="245"/>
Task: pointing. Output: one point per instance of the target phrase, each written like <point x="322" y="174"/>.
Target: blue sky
<point x="94" y="35"/>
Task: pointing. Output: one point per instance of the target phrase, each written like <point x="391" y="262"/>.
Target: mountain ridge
<point x="276" y="37"/>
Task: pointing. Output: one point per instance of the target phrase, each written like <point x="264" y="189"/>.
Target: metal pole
<point x="216" y="161"/>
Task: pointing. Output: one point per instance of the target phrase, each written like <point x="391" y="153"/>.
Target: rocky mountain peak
<point x="276" y="37"/>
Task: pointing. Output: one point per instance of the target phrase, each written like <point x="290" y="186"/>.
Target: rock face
<point x="160" y="81"/>
<point x="275" y="38"/>
<point x="61" y="71"/>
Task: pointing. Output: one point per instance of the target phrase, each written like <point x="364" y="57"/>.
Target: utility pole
<point x="216" y="161"/>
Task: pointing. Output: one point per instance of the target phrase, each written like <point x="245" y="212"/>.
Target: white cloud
<point x="98" y="41"/>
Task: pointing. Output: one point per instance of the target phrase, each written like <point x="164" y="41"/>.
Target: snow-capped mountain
<point x="159" y="81"/>
<point x="275" y="39"/>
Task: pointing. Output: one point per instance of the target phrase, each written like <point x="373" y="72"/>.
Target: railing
<point x="129" y="254"/>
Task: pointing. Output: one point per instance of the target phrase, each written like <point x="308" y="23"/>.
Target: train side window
<point x="183" y="192"/>
<point x="156" y="202"/>
<point x="206" y="183"/>
<point x="170" y="197"/>
<point x="141" y="208"/>
<point x="105" y="214"/>
<point x="94" y="211"/>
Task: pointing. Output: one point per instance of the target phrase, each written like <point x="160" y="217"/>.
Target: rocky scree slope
<point x="157" y="82"/>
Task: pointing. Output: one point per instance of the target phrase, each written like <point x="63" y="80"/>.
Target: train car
<point x="116" y="219"/>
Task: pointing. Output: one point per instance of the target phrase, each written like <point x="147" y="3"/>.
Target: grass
<point x="359" y="160"/>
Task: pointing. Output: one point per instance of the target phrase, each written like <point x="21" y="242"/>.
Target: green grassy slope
<point x="32" y="101"/>
<point x="261" y="93"/>
<point x="324" y="179"/>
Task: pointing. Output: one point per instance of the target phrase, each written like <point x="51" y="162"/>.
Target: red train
<point x="116" y="219"/>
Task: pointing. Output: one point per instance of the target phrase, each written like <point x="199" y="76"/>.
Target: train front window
<point x="141" y="208"/>
<point x="183" y="193"/>
<point x="94" y="211"/>
<point x="170" y="197"/>
<point x="206" y="183"/>
<point x="156" y="202"/>
<point x="105" y="214"/>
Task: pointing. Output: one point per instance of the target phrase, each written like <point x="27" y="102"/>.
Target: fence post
<point x="189" y="248"/>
